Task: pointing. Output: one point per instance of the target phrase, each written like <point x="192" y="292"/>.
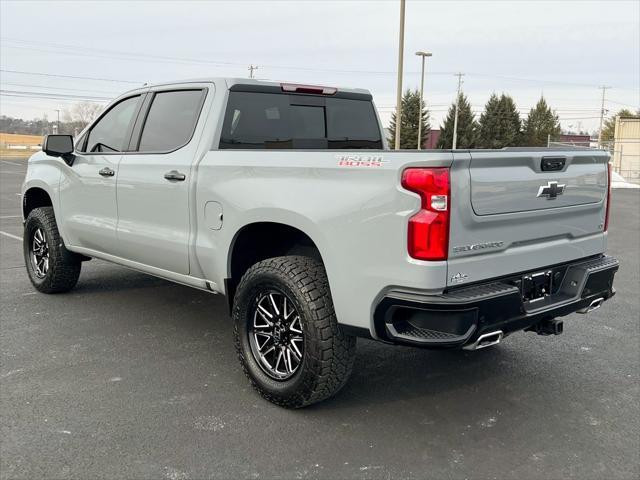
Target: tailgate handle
<point x="552" y="164"/>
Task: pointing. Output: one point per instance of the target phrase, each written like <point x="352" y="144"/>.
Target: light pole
<point x="455" y="121"/>
<point x="423" y="55"/>
<point x="58" y="122"/>
<point x="399" y="92"/>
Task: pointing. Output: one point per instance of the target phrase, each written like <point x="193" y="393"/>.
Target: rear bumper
<point x="458" y="317"/>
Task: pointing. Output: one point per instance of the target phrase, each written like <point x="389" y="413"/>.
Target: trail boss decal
<point x="360" y="160"/>
<point x="459" y="277"/>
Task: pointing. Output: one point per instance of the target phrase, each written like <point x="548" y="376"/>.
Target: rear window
<point x="281" y="121"/>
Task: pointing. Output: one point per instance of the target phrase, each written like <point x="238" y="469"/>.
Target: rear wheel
<point x="51" y="267"/>
<point x="286" y="332"/>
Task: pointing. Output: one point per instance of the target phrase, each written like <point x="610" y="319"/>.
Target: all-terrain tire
<point x="329" y="353"/>
<point x="63" y="266"/>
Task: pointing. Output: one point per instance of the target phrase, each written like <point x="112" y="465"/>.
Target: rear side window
<point x="171" y="120"/>
<point x="110" y="133"/>
<point x="255" y="120"/>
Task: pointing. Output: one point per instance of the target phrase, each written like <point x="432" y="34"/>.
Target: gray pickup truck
<point x="286" y="199"/>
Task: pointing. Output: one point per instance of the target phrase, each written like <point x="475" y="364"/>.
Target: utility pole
<point x="251" y="69"/>
<point x="421" y="54"/>
<point x="58" y="123"/>
<point x="603" y="88"/>
<point x="400" y="64"/>
<point x="455" y="121"/>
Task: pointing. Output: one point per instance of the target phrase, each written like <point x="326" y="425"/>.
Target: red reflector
<point x="316" y="90"/>
<point x="428" y="234"/>
<point x="606" y="214"/>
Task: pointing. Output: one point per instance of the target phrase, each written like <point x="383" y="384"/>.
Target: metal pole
<point x="455" y="121"/>
<point x="400" y="64"/>
<point x="604" y="88"/>
<point x="58" y="123"/>
<point x="420" y="107"/>
<point x="251" y="69"/>
<point x="423" y="55"/>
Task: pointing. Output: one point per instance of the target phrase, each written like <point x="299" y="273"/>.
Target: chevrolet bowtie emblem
<point x="551" y="190"/>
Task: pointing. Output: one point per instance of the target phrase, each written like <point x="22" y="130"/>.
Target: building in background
<point x="432" y="139"/>
<point x="577" y="140"/>
<point x="626" y="148"/>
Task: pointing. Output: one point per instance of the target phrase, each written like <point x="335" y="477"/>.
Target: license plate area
<point x="537" y="286"/>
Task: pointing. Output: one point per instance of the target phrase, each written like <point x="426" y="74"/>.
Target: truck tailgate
<point x="517" y="182"/>
<point x="515" y="211"/>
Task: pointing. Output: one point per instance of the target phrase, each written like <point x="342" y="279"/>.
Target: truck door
<point x="153" y="181"/>
<point x="88" y="189"/>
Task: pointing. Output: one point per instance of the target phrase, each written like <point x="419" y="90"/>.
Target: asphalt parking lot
<point x="129" y="376"/>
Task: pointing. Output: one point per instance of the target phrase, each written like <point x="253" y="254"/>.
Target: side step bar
<point x="486" y="340"/>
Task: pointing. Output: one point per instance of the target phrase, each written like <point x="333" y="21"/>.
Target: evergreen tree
<point x="540" y="123"/>
<point x="409" y="125"/>
<point x="500" y="123"/>
<point x="467" y="126"/>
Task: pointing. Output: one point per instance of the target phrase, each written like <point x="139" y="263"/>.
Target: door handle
<point x="175" y="176"/>
<point x="107" y="172"/>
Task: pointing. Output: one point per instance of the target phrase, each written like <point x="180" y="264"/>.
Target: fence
<point x="15" y="145"/>
<point x="625" y="155"/>
<point x="626" y="158"/>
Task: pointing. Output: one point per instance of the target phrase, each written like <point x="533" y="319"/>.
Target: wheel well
<point x="258" y="241"/>
<point x="35" y="198"/>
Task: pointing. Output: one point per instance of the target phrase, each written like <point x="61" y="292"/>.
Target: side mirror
<point x="59" y="146"/>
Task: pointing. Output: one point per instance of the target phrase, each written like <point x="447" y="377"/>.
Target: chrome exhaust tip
<point x="486" y="340"/>
<point x="596" y="304"/>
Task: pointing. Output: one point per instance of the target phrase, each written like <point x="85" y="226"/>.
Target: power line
<point x="621" y="103"/>
<point x="50" y="95"/>
<point x="24" y="105"/>
<point x="83" y="51"/>
<point x="65" y="100"/>
<point x="69" y="76"/>
<point x="533" y="80"/>
<point x="103" y="53"/>
<point x="59" y="88"/>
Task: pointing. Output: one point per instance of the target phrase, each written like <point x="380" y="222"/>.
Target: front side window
<point x="109" y="134"/>
<point x="256" y="120"/>
<point x="171" y="120"/>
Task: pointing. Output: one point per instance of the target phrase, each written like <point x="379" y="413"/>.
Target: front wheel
<point x="51" y="267"/>
<point x="286" y="332"/>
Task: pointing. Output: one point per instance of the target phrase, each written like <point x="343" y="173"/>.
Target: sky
<point x="563" y="50"/>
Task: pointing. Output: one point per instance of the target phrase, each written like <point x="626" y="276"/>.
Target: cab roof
<point x="231" y="81"/>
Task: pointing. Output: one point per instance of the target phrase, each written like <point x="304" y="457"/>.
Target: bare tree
<point x="82" y="113"/>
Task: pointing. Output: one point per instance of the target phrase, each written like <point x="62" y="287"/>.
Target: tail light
<point x="606" y="214"/>
<point x="428" y="237"/>
<point x="312" y="89"/>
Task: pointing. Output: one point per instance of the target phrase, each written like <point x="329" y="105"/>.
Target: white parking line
<point x="10" y="235"/>
<point x="10" y="216"/>
<point x="11" y="163"/>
